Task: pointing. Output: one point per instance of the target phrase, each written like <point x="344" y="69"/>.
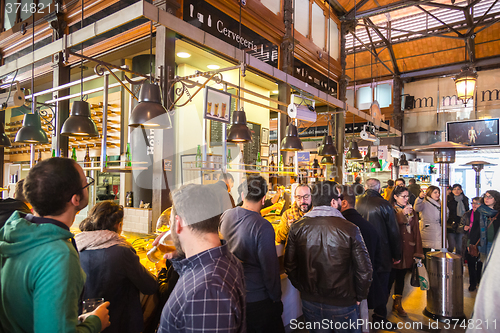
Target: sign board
<point x="303" y="156"/>
<point x="217" y="105"/>
<point x="167" y="165"/>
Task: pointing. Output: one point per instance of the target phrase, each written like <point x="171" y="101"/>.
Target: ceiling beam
<point x="423" y="33"/>
<point x="396" y="6"/>
<point x="487" y="25"/>
<point x="375" y="54"/>
<point x="437" y="4"/>
<point x="442" y="22"/>
<point x="389" y="47"/>
<point x="351" y="14"/>
<point x="441" y="70"/>
<point x="482" y="17"/>
<point x="471" y="48"/>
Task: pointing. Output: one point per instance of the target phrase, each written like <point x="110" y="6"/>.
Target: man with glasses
<point x="41" y="279"/>
<point x="302" y="205"/>
<point x="327" y="261"/>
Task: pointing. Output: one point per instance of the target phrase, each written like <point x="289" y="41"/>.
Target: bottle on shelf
<point x="271" y="164"/>
<point x="39" y="157"/>
<point x="258" y="163"/>
<point x="291" y="164"/>
<point x="61" y="154"/>
<point x="106" y="161"/>
<point x="86" y="159"/>
<point x="281" y="164"/>
<point x="128" y="156"/>
<point x="53" y="152"/>
<point x="229" y="159"/>
<point x="198" y="157"/>
<point x="73" y="154"/>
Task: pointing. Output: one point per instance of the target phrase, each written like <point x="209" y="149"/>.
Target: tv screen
<point x="482" y="132"/>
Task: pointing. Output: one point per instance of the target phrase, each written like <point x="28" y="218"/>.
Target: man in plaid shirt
<point x="210" y="293"/>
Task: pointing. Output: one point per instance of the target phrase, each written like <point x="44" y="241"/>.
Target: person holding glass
<point x="114" y="271"/>
<point x="458" y="204"/>
<point x="428" y="205"/>
<point x="411" y="244"/>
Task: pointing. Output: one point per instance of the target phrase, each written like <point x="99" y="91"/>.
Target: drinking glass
<point x="91" y="304"/>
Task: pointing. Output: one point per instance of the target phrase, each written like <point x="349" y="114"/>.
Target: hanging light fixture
<point x="150" y="111"/>
<point x="79" y="122"/>
<point x="465" y="84"/>
<point x="4" y="139"/>
<point x="328" y="160"/>
<point x="327" y="148"/>
<point x="291" y="141"/>
<point x="32" y="131"/>
<point x="353" y="152"/>
<point x="403" y="161"/>
<point x="239" y="132"/>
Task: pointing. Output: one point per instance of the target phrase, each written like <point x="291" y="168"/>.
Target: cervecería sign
<point x="208" y="18"/>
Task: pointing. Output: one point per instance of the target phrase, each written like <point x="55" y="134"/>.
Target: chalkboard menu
<point x="251" y="149"/>
<point x="216" y="126"/>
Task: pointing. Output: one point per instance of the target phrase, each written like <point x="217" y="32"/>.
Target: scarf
<point x="485" y="213"/>
<point x="324" y="211"/>
<point x="99" y="239"/>
<point x="460" y="205"/>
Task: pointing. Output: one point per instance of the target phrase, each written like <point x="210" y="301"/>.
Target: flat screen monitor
<point x="483" y="132"/>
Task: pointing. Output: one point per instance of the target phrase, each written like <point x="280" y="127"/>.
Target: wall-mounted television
<point x="483" y="132"/>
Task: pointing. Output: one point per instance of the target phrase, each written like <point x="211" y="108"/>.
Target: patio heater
<point x="478" y="166"/>
<point x="445" y="297"/>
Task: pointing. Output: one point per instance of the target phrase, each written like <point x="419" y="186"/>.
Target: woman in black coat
<point x="458" y="204"/>
<point x="113" y="268"/>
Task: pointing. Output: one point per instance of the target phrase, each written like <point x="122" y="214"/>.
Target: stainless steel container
<point x="445" y="297"/>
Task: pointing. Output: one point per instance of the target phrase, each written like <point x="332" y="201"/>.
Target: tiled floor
<point x="415" y="301"/>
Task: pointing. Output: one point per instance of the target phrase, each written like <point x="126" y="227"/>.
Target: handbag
<point x="414" y="281"/>
<point x="472" y="248"/>
<point x="423" y="277"/>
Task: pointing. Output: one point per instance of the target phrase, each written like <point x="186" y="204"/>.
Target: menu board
<point x="216" y="126"/>
<point x="251" y="149"/>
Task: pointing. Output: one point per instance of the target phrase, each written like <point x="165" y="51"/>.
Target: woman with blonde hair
<point x="113" y="269"/>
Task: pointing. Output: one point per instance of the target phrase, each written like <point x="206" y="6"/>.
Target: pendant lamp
<point x="328" y="160"/>
<point x="32" y="131"/>
<point x="327" y="148"/>
<point x="79" y="123"/>
<point x="4" y="139"/>
<point x="239" y="132"/>
<point x="402" y="160"/>
<point x="150" y="112"/>
<point x="465" y="84"/>
<point x="291" y="141"/>
<point x="353" y="152"/>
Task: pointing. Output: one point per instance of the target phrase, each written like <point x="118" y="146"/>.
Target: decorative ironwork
<point x="47" y="117"/>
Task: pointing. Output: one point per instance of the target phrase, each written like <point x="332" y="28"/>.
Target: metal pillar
<point x="164" y="140"/>
<point x="60" y="76"/>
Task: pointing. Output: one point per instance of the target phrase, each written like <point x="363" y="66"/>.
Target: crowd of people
<point x="345" y="245"/>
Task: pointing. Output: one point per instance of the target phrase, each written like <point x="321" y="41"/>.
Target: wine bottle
<point x="198" y="157"/>
<point x="128" y="156"/>
<point x="73" y="154"/>
<point x="259" y="162"/>
<point x="229" y="159"/>
<point x="39" y="157"/>
<point x="281" y="164"/>
<point x="86" y="159"/>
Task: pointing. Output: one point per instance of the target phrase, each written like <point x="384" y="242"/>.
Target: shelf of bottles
<point x="21" y="151"/>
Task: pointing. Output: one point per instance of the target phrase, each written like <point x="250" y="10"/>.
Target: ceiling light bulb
<point x="213" y="66"/>
<point x="183" y="54"/>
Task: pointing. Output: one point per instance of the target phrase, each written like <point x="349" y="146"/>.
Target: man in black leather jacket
<point x="327" y="261"/>
<point x="381" y="215"/>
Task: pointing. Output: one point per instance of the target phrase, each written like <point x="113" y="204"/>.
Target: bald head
<point x="372" y="184"/>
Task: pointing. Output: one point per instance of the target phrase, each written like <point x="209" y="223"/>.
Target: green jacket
<point x="40" y="279"/>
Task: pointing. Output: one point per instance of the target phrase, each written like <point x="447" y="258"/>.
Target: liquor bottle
<point x="198" y="157"/>
<point x="61" y="154"/>
<point x="53" y="152"/>
<point x="73" y="154"/>
<point x="86" y="159"/>
<point x="291" y="164"/>
<point x="271" y="164"/>
<point x="259" y="162"/>
<point x="229" y="159"/>
<point x="128" y="156"/>
<point x="281" y="163"/>
<point x="39" y="157"/>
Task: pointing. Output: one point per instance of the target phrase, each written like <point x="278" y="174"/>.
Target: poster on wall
<point x="217" y="105"/>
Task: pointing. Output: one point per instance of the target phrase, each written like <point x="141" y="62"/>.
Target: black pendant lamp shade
<point x="239" y="132"/>
<point x="327" y="148"/>
<point x="327" y="160"/>
<point x="32" y="131"/>
<point x="402" y="160"/>
<point x="150" y="112"/>
<point x="4" y="139"/>
<point x="353" y="152"/>
<point x="291" y="141"/>
<point x="79" y="122"/>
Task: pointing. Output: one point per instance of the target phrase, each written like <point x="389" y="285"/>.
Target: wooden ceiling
<point x="430" y="35"/>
